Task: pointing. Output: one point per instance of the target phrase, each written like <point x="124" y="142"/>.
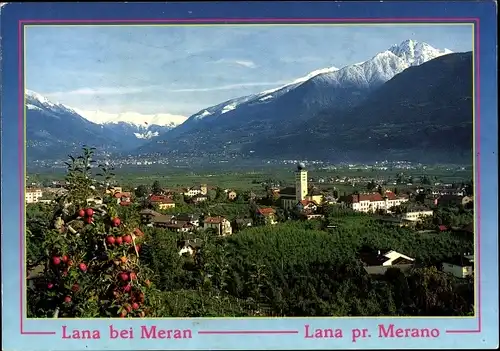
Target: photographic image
<point x="249" y="171"/>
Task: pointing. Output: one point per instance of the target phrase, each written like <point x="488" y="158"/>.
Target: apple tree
<point x="92" y="258"/>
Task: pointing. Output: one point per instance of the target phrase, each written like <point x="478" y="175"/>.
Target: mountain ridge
<point x="240" y="120"/>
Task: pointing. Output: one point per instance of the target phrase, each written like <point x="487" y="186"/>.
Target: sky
<point x="180" y="70"/>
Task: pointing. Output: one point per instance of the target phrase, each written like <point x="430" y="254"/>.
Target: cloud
<point x="244" y="63"/>
<point x="229" y="86"/>
<point x="99" y="91"/>
<point x="98" y="116"/>
<point x="249" y="64"/>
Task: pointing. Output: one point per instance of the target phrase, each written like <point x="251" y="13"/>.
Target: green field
<point x="250" y="181"/>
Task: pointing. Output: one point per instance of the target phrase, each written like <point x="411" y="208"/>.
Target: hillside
<point x="423" y="113"/>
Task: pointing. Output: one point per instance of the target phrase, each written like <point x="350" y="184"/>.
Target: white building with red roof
<point x="373" y="201"/>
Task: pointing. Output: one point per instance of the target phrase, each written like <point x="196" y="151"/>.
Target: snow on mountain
<point x="148" y="135"/>
<point x="35" y="100"/>
<point x="138" y="119"/>
<point x="301" y="79"/>
<point x="415" y="53"/>
<point x="298" y="101"/>
<point x="368" y="74"/>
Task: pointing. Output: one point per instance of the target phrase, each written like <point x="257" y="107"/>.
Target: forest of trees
<point x="296" y="268"/>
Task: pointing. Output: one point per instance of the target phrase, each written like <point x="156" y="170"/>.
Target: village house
<point x="32" y="195"/>
<point x="457" y="200"/>
<point x="373" y="201"/>
<point x="307" y="206"/>
<point x="231" y="195"/>
<point x="123" y="198"/>
<point x="189" y="247"/>
<point x="417" y="215"/>
<point x="190" y="218"/>
<point x="310" y="216"/>
<point x="266" y="215"/>
<point x="380" y="261"/>
<point x="196" y="190"/>
<point x="179" y="226"/>
<point x="220" y="224"/>
<point x="163" y="202"/>
<point x="155" y="219"/>
<point x="460" y="266"/>
<point x="196" y="199"/>
<point x="449" y="191"/>
<point x="329" y="200"/>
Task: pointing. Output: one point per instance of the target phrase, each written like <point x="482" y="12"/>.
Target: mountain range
<point x="54" y="130"/>
<point x="411" y="92"/>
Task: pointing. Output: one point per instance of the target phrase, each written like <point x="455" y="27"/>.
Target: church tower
<point x="300" y="182"/>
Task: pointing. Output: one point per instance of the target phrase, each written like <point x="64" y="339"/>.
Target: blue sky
<point x="181" y="70"/>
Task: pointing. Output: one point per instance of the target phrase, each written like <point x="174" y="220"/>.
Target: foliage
<point x="295" y="268"/>
<point x="88" y="257"/>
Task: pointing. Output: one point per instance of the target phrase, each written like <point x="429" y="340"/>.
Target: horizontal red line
<point x="249" y="332"/>
<point x="463" y="331"/>
<point x="230" y="20"/>
<point x="37" y="333"/>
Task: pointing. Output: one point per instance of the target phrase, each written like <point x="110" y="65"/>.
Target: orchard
<point x="92" y="266"/>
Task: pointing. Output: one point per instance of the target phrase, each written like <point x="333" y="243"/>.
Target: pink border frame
<point x="21" y="116"/>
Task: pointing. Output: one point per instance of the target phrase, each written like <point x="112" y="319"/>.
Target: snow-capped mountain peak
<point x="35" y="101"/>
<point x="368" y="74"/>
<point x="415" y="53"/>
<point x="133" y="118"/>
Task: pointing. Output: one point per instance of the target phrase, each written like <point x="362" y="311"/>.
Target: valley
<point x="358" y="113"/>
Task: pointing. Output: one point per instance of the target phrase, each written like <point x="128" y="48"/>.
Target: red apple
<point x="127" y="288"/>
<point x="110" y="240"/>
<point x="75" y="287"/>
<point x="89" y="220"/>
<point x="89" y="212"/>
<point x="116" y="222"/>
<point x="56" y="260"/>
<point x="81" y="213"/>
<point x="133" y="276"/>
<point x="118" y="240"/>
<point x="127" y="239"/>
<point x="135" y="306"/>
<point x="67" y="299"/>
<point x="50" y="285"/>
<point x="65" y="258"/>
<point x="83" y="267"/>
<point x="124" y="276"/>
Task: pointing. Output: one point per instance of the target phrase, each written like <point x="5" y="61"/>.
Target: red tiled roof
<point x="214" y="220"/>
<point x="307" y="202"/>
<point x="373" y="197"/>
<point x="266" y="211"/>
<point x="161" y="199"/>
<point x="119" y="195"/>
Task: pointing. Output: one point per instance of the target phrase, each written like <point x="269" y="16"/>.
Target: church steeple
<point x="300" y="182"/>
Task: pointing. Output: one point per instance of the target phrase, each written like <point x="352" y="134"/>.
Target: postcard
<point x="249" y="175"/>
